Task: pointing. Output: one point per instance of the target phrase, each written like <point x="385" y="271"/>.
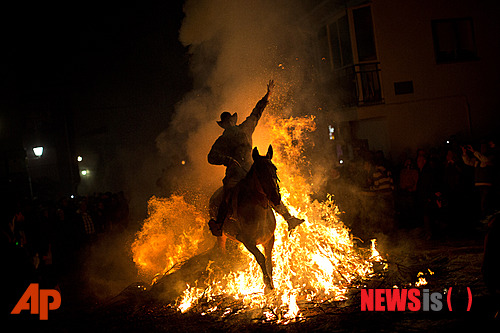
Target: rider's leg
<point x="292" y="221"/>
<point x="221" y="214"/>
<point x="216" y="225"/>
<point x="233" y="176"/>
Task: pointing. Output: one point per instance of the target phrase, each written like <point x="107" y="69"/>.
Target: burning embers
<point x="317" y="262"/>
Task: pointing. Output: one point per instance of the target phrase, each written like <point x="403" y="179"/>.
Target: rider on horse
<point x="233" y="149"/>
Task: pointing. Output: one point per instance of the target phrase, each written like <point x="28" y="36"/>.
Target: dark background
<point x="95" y="79"/>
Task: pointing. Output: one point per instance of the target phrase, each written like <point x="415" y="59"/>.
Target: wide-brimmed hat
<point x="225" y="117"/>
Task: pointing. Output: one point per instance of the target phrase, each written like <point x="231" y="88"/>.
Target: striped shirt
<point x="382" y="180"/>
<point x="88" y="224"/>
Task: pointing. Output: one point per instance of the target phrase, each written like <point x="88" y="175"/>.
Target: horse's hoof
<point x="269" y="287"/>
<point x="268" y="290"/>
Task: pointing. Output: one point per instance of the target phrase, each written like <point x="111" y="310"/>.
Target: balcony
<point x="358" y="84"/>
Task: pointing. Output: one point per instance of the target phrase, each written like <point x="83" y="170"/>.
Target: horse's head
<point x="265" y="171"/>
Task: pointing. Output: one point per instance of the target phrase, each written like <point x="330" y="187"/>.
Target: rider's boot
<point x="216" y="225"/>
<point x="292" y="221"/>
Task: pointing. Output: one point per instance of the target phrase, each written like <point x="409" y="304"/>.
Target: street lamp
<point x="38" y="151"/>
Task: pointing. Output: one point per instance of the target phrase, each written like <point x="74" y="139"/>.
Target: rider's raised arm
<point x="251" y="121"/>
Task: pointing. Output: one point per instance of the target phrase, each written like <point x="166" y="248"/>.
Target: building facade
<point x="410" y="74"/>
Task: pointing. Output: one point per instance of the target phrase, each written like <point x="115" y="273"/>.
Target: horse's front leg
<point x="268" y="249"/>
<point x="261" y="260"/>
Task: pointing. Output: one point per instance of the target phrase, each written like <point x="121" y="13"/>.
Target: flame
<point x="170" y="235"/>
<point x="422" y="281"/>
<point x="317" y="262"/>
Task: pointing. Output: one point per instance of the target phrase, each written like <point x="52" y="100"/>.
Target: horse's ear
<point x="270" y="152"/>
<point x="255" y="153"/>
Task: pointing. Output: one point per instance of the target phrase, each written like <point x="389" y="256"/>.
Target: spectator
<point x="482" y="162"/>
<point x="382" y="181"/>
<point x="406" y="194"/>
<point x="490" y="267"/>
<point x="427" y="193"/>
<point x="123" y="210"/>
<point x="454" y="189"/>
<point x="17" y="264"/>
<point x="383" y="187"/>
<point x="86" y="223"/>
<point x="408" y="177"/>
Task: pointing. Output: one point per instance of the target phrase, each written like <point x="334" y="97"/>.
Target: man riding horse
<point x="233" y="149"/>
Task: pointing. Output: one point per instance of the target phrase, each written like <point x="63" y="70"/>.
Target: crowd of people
<point x="446" y="190"/>
<point x="42" y="241"/>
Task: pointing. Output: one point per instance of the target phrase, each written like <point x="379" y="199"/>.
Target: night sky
<point x="63" y="44"/>
<point x="115" y="70"/>
<point x="78" y="50"/>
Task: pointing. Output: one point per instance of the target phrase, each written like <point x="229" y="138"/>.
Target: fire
<point x="170" y="235"/>
<point x="422" y="281"/>
<point x="316" y="262"/>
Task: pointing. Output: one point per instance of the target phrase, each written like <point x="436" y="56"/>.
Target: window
<point x="347" y="47"/>
<point x="365" y="39"/>
<point x="454" y="40"/>
<point x="340" y="41"/>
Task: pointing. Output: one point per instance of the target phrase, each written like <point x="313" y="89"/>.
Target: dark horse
<point x="252" y="220"/>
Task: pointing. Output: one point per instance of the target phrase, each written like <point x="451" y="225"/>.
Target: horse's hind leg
<point x="261" y="260"/>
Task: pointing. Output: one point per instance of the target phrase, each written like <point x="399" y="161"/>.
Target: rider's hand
<point x="270" y="87"/>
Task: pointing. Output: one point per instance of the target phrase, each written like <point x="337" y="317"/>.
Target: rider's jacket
<point x="236" y="142"/>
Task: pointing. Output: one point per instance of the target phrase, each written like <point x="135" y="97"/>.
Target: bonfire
<point x="318" y="262"/>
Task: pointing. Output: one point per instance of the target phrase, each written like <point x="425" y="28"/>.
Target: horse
<point x="252" y="220"/>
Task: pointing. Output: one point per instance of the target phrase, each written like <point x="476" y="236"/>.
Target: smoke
<point x="108" y="266"/>
<point x="235" y="48"/>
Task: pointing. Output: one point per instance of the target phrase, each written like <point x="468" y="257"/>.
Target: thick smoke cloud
<point x="235" y="47"/>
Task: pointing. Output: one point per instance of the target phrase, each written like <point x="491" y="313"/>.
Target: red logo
<point x="37" y="301"/>
<point x="412" y="299"/>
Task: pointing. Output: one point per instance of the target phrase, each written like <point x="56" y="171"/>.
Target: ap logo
<point x="37" y="301"/>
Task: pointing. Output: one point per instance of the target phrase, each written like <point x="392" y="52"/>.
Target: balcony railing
<point x="359" y="84"/>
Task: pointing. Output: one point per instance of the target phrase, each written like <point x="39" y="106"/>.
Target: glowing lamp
<point x="38" y="151"/>
<point x="84" y="172"/>
<point x="79" y="158"/>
